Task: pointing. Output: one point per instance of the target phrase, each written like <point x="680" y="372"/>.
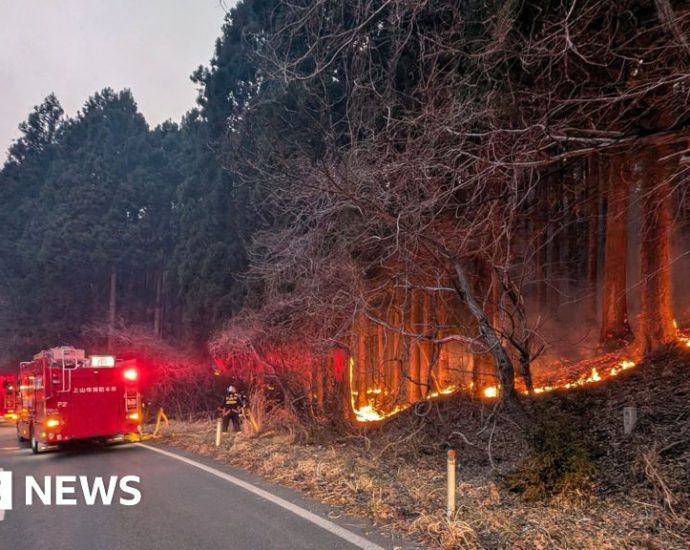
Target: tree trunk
<point x="484" y="366"/>
<point x="554" y="271"/>
<point x="614" y="322"/>
<point x="656" y="315"/>
<point x="442" y="372"/>
<point x="541" y="245"/>
<point x="413" y="385"/>
<point x="393" y="353"/>
<point x="361" y="337"/>
<point x="158" y="308"/>
<point x="320" y="385"/>
<point x="593" y="187"/>
<point x="506" y="372"/>
<point x="112" y="308"/>
<point x="380" y="360"/>
<point x="426" y="348"/>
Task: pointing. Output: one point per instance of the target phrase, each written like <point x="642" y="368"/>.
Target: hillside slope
<point x="627" y="491"/>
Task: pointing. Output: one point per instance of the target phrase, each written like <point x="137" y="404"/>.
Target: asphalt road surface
<point x="187" y="502"/>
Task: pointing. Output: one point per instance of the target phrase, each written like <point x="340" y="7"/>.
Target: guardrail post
<point x="451" y="483"/>
<point x="219" y="428"/>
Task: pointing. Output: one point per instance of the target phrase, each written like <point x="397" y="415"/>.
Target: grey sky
<point x="77" y="47"/>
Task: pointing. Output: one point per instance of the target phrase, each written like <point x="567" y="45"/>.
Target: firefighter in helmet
<point x="232" y="408"/>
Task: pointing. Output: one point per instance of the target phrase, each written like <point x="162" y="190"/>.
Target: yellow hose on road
<point x="160" y="416"/>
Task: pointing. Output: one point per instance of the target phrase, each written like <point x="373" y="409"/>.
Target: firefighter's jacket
<point x="232" y="402"/>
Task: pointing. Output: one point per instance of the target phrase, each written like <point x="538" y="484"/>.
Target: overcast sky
<point x="77" y="47"/>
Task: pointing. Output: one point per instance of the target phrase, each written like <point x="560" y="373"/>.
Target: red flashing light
<point x="131" y="374"/>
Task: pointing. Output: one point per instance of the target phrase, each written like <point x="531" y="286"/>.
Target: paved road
<point x="184" y="505"/>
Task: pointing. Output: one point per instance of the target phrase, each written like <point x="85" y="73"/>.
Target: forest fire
<point x="372" y="413"/>
<point x="563" y="377"/>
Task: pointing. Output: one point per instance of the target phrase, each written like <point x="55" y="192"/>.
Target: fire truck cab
<point x="8" y="398"/>
<point x="66" y="396"/>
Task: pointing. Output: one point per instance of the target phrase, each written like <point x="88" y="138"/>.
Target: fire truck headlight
<point x="52" y="423"/>
<point x="130" y="374"/>
<point x="133" y="416"/>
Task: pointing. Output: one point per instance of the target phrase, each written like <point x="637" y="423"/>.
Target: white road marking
<point x="329" y="526"/>
<point x="2" y="510"/>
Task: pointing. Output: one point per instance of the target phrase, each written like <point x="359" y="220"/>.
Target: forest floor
<point x="619" y="492"/>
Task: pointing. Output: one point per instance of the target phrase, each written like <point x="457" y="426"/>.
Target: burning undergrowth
<point x="588" y="485"/>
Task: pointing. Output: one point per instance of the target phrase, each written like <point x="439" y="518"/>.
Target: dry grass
<point x="395" y="475"/>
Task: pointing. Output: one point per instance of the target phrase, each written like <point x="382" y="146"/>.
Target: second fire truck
<point x="67" y="396"/>
<point x="8" y="398"/>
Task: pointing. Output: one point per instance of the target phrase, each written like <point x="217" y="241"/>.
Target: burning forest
<point x="510" y="219"/>
<point x="383" y="212"/>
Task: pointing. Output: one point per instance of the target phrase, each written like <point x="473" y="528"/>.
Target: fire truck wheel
<point x="36" y="446"/>
<point x="20" y="438"/>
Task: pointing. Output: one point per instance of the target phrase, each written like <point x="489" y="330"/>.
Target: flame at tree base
<point x="607" y="367"/>
<point x="370" y="413"/>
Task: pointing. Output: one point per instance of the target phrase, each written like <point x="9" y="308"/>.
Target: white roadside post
<point x="219" y="428"/>
<point x="451" y="484"/>
<point x="629" y="419"/>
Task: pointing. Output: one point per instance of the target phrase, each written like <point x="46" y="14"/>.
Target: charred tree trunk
<point x="614" y="322"/>
<point x="656" y="315"/>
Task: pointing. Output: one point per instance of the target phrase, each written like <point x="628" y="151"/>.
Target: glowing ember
<point x="623" y="365"/>
<point x="443" y="391"/>
<point x="491" y="392"/>
<point x="369" y="414"/>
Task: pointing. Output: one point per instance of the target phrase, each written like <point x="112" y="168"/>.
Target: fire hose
<point x="250" y="418"/>
<point x="160" y="416"/>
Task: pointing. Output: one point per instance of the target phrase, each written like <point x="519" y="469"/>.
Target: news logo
<point x="65" y="490"/>
<point x="5" y="491"/>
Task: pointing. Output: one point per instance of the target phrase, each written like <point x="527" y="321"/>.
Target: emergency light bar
<point x="102" y="361"/>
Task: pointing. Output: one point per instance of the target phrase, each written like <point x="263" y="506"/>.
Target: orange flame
<point x="372" y="413"/>
<point x="490" y="392"/>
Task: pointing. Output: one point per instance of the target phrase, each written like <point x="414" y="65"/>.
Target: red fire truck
<point x="67" y="396"/>
<point x="8" y="395"/>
